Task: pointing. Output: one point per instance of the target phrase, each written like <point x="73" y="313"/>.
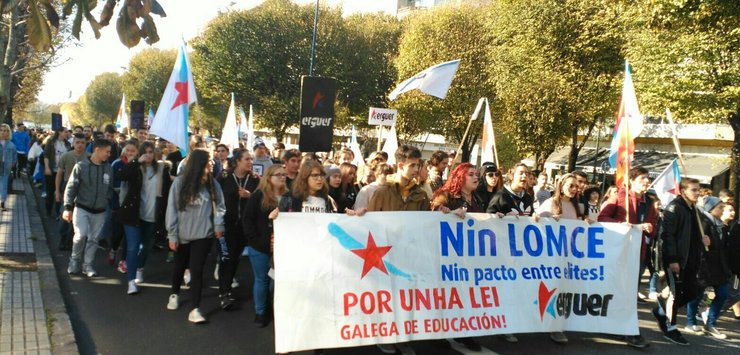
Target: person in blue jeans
<point x="258" y="229"/>
<point x="8" y="159"/>
<point x="715" y="272"/>
<point x="144" y="179"/>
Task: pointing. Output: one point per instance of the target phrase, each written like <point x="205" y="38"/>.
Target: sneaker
<point x="111" y="257"/>
<point x="469" y="343"/>
<point x="636" y="341"/>
<point x="675" y="337"/>
<point x="694" y="329"/>
<point x="132" y="289"/>
<point x="215" y="272"/>
<point x="90" y="272"/>
<point x="715" y="332"/>
<point x="662" y="320"/>
<point x="405" y="349"/>
<point x="186" y="277"/>
<point x="653" y="296"/>
<point x="74" y="267"/>
<point x="387" y="348"/>
<point x="173" y="302"/>
<point x="262" y="320"/>
<point x="641" y="300"/>
<point x="559" y="337"/>
<point x="196" y="317"/>
<point x="234" y="284"/>
<point x="511" y="338"/>
<point x="226" y="302"/>
<point x="122" y="267"/>
<point x="139" y="276"/>
<point x="170" y="257"/>
<point x="704" y="316"/>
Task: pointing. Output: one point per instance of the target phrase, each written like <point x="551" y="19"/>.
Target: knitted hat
<point x="710" y="202"/>
<point x="332" y="169"/>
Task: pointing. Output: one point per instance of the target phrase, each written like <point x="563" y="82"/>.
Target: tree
<point x="556" y="68"/>
<point x="103" y="98"/>
<point x="374" y="46"/>
<point x="147" y="75"/>
<point x="686" y="56"/>
<point x="261" y="53"/>
<point x="431" y="37"/>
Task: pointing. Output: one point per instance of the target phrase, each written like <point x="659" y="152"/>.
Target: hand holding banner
<point x="348" y="281"/>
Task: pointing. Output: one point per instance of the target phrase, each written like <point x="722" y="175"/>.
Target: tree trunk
<point x="8" y="41"/>
<point x="574" y="149"/>
<point x="735" y="163"/>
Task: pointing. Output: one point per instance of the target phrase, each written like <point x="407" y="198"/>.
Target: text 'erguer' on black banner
<point x="317" y="114"/>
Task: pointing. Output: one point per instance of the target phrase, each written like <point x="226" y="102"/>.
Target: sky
<point x="185" y="19"/>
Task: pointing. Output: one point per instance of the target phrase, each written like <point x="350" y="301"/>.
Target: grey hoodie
<point x="90" y="187"/>
<point x="195" y="221"/>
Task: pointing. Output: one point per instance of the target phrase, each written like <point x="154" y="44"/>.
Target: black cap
<point x="489" y="167"/>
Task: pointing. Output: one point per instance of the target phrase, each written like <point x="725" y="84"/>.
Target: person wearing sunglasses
<point x="489" y="183"/>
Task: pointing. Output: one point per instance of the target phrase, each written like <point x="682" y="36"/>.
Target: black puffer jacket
<point x="504" y="201"/>
<point x="717" y="264"/>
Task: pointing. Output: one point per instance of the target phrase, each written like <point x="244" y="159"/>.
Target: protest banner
<point x="382" y="116"/>
<point x="317" y="114"/>
<point x="390" y="277"/>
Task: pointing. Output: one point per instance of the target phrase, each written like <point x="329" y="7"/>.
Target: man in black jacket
<point x="682" y="243"/>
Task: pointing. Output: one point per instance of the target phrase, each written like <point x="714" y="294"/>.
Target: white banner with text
<point x="388" y="277"/>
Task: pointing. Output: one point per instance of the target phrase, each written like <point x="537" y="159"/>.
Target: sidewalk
<point x="32" y="313"/>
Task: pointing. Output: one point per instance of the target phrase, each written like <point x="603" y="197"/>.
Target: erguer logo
<point x="566" y="304"/>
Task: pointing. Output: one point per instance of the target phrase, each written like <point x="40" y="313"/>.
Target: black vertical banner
<point x="317" y="114"/>
<point x="56" y="122"/>
<point x="137" y="114"/>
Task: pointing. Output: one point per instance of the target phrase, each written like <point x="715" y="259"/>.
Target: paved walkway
<point x="23" y="322"/>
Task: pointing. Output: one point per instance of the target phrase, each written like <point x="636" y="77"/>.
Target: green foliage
<point x="261" y="53"/>
<point x="431" y="37"/>
<point x="147" y="75"/>
<point x="555" y="66"/>
<point x="686" y="56"/>
<point x="103" y="98"/>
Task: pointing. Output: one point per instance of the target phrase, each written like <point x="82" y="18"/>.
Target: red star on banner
<point x="182" y="94"/>
<point x="373" y="256"/>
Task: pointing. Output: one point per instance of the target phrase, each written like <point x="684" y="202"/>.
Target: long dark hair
<point x="193" y="178"/>
<point x="300" y="185"/>
<point x="557" y="197"/>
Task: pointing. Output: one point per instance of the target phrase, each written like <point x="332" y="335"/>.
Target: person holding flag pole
<point x="630" y="205"/>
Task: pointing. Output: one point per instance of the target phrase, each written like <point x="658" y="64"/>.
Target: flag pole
<point x="495" y="151"/>
<point x="625" y="174"/>
<point x="676" y="143"/>
<point x="380" y="135"/>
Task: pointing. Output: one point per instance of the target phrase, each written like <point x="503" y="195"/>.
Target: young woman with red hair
<point x="457" y="196"/>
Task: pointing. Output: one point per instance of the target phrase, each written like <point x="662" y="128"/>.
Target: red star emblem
<point x="182" y="94"/>
<point x="373" y="256"/>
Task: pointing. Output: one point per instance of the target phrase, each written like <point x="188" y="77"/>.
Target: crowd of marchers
<point x="127" y="194"/>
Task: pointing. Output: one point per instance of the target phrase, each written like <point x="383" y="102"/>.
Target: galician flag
<point x="628" y="127"/>
<point x="150" y="118"/>
<point x="358" y="161"/>
<point x="230" y="133"/>
<point x="666" y="184"/>
<point x="434" y="80"/>
<point x="391" y="145"/>
<point x="488" y="139"/>
<point x="243" y="125"/>
<point x="171" y="120"/>
<point x="122" y="120"/>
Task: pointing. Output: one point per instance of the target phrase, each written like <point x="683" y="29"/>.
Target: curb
<point x="62" y="335"/>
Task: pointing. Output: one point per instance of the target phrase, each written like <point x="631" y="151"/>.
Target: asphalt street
<point x="108" y="321"/>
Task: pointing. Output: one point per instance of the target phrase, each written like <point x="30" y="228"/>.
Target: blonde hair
<point x="270" y="194"/>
